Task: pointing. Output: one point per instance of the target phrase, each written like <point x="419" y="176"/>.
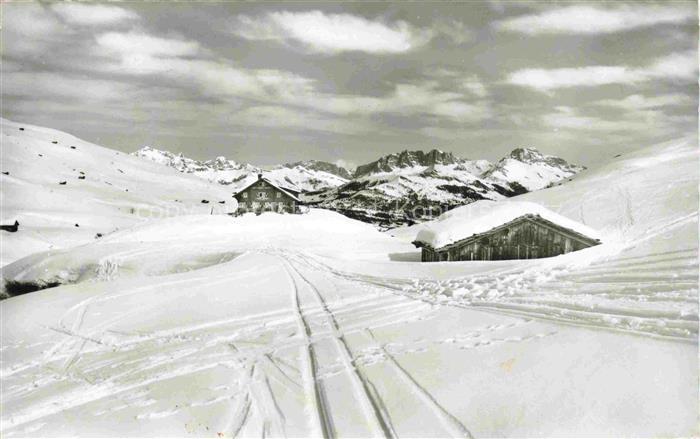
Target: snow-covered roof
<point x="482" y="216"/>
<point x="276" y="186"/>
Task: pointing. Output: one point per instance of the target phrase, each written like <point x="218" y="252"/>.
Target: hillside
<point x="316" y="324"/>
<point x="64" y="191"/>
<point x="644" y="276"/>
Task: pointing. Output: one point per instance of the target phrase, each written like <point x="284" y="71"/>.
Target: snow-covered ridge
<point x="383" y="191"/>
<point x="318" y="165"/>
<point x="307" y="176"/>
<point x="411" y="186"/>
<point x="531" y="169"/>
<point x="184" y="164"/>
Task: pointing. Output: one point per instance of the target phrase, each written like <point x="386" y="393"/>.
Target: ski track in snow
<point x="655" y="295"/>
<point x="105" y="365"/>
<point x="378" y="425"/>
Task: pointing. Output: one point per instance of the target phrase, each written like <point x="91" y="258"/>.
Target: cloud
<point x="30" y="29"/>
<point x="585" y="19"/>
<point x="458" y="32"/>
<point x="549" y="79"/>
<point x="474" y="85"/>
<point x="633" y="121"/>
<point x="460" y="111"/>
<point x="181" y="61"/>
<point x="32" y="85"/>
<point x="28" y="20"/>
<point x="331" y="33"/>
<point x="641" y="102"/>
<point x="680" y="65"/>
<point x="425" y="99"/>
<point x="675" y="66"/>
<point x="93" y="15"/>
<point x="144" y="44"/>
<point x="271" y="116"/>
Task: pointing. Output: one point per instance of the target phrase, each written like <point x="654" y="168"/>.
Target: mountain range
<point x="398" y="188"/>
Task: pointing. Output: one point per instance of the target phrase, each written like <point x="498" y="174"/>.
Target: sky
<point x="269" y="83"/>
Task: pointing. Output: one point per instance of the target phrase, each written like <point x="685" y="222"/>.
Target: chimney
<point x="260" y="176"/>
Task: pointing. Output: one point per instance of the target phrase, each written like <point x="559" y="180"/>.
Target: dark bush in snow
<point x="17" y="288"/>
<point x="10" y="228"/>
<point x="205" y="201"/>
<point x="62" y="182"/>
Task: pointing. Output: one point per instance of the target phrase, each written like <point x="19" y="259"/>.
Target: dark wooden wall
<point x="271" y="200"/>
<point x="525" y="239"/>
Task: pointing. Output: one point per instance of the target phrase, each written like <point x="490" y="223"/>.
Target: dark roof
<point x="290" y="193"/>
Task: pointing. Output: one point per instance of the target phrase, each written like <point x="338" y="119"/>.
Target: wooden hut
<point x="510" y="230"/>
<point x="264" y="196"/>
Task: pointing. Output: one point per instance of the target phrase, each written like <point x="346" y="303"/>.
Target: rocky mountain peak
<point x="526" y="154"/>
<point x="407" y="159"/>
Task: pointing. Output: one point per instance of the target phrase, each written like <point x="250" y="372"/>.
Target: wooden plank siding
<point x="262" y="196"/>
<point x="527" y="237"/>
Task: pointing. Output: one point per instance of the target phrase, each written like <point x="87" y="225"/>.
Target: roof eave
<point x="529" y="216"/>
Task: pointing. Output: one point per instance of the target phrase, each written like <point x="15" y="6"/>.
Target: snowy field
<point x="103" y="190"/>
<point x="319" y="325"/>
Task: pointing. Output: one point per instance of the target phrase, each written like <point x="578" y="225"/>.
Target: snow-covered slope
<point x="150" y="249"/>
<point x="307" y="176"/>
<point x="309" y="325"/>
<point x="644" y="277"/>
<point x="317" y="165"/>
<point x="63" y="190"/>
<point x="413" y="186"/>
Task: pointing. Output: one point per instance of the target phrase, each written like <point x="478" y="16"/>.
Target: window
<point x="262" y="195"/>
<point x="245" y="195"/>
<point x="279" y="194"/>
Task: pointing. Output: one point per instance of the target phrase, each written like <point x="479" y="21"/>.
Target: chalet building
<point x="264" y="196"/>
<point x="514" y="230"/>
